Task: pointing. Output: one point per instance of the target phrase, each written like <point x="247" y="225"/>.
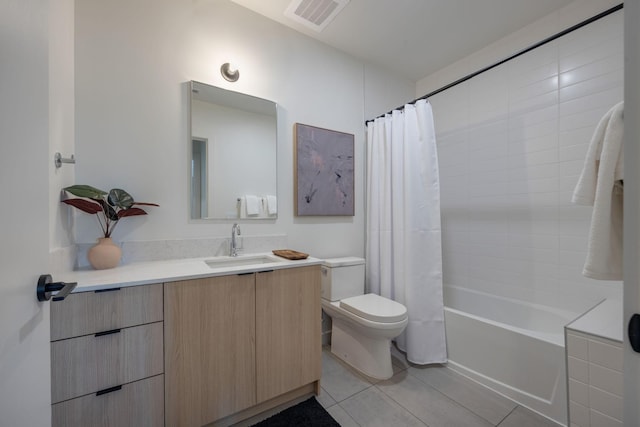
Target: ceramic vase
<point x="104" y="254"/>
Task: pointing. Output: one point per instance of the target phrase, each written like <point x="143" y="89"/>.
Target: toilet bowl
<point x="363" y="325"/>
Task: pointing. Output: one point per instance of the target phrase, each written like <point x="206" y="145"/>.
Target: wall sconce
<point x="229" y="72"/>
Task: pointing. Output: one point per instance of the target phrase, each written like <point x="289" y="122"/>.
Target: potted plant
<point x="109" y="208"/>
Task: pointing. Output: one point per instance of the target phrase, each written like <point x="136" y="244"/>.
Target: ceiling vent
<point x="315" y="14"/>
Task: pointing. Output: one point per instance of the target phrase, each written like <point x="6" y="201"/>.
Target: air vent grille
<point x="315" y="14"/>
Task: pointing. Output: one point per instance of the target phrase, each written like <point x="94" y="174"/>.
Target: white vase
<point x="104" y="254"/>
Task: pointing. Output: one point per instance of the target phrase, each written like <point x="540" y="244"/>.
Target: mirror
<point x="233" y="144"/>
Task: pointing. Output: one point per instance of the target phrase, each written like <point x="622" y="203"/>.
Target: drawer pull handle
<point x="245" y="274"/>
<point x="101" y="334"/>
<point x="108" y="390"/>
<point x="99" y="291"/>
<point x="266" y="271"/>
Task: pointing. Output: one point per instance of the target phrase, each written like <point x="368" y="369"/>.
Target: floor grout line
<point x="508" y="415"/>
<point x="455" y="402"/>
<point x="403" y="407"/>
<point x="347" y="412"/>
<point x="501" y="416"/>
<point x="460" y="403"/>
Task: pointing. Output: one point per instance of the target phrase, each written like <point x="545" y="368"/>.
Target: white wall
<point x="511" y="143"/>
<point x="384" y="92"/>
<point x="570" y="15"/>
<point x="241" y="154"/>
<point x="61" y="119"/>
<point x="132" y="62"/>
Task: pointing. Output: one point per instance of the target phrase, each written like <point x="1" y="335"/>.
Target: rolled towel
<point x="272" y="205"/>
<point x="252" y="204"/>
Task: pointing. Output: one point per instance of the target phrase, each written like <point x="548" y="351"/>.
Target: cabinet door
<point x="288" y="322"/>
<point x="209" y="349"/>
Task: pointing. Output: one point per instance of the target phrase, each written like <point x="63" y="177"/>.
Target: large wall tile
<point x="512" y="144"/>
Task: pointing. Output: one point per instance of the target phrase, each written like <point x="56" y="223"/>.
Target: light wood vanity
<point x="204" y="351"/>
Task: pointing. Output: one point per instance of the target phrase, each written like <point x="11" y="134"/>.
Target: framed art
<point x="324" y="171"/>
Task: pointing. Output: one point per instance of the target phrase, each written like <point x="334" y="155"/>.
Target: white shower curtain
<point x="404" y="247"/>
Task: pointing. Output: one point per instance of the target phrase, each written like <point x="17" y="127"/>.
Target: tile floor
<point x="431" y="396"/>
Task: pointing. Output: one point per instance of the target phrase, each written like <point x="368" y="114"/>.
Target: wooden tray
<point x="290" y="254"/>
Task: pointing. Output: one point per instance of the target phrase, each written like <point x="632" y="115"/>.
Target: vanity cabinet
<point x="241" y="344"/>
<point x="288" y="328"/>
<point x="107" y="358"/>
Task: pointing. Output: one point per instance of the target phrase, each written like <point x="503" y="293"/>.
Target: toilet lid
<point x="376" y="308"/>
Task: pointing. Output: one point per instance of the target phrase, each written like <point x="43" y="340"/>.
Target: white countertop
<point x="604" y="320"/>
<point x="143" y="273"/>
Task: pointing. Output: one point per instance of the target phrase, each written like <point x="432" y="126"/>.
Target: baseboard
<point x="264" y="410"/>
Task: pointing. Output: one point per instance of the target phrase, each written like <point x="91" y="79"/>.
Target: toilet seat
<point x="334" y="310"/>
<point x="375" y="308"/>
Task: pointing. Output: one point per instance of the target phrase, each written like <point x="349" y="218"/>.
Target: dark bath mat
<point x="305" y="414"/>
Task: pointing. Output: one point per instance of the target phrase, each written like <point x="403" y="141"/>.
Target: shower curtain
<point x="404" y="248"/>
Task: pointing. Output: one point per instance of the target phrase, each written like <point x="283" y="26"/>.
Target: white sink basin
<point x="228" y="261"/>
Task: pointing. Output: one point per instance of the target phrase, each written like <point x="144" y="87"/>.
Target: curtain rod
<point x="515" y="55"/>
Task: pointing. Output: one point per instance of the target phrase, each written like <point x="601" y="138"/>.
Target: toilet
<point x="363" y="325"/>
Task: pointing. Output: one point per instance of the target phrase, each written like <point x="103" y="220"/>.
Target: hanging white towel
<point x="599" y="186"/>
<point x="272" y="205"/>
<point x="252" y="205"/>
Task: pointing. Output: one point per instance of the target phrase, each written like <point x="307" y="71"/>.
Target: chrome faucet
<point x="233" y="247"/>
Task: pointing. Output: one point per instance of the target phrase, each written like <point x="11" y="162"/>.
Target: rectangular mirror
<point x="232" y="145"/>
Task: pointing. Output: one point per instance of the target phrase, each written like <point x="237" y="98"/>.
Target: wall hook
<point x="58" y="160"/>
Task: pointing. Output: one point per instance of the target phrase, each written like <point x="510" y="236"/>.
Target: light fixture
<point x="229" y="72"/>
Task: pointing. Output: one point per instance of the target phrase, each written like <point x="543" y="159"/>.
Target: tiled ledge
<point x="604" y="320"/>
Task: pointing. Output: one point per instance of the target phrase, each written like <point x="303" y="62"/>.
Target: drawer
<point x="94" y="362"/>
<point x="137" y="404"/>
<point x="85" y="313"/>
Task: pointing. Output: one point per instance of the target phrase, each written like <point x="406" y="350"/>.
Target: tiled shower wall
<point x="511" y="145"/>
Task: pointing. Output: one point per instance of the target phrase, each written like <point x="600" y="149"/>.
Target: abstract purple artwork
<point x="324" y="177"/>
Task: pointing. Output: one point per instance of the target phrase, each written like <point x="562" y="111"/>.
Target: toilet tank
<point x="342" y="278"/>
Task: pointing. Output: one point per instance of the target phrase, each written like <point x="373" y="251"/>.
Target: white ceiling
<point x="415" y="38"/>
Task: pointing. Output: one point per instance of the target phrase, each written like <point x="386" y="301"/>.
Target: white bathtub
<point x="511" y="346"/>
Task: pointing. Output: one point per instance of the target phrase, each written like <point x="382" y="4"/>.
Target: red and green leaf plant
<point x="108" y="208"/>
